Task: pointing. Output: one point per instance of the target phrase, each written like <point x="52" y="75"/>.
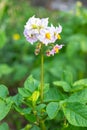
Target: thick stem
<point x="42" y="73"/>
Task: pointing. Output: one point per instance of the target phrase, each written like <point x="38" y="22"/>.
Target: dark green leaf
<point x="30" y="117"/>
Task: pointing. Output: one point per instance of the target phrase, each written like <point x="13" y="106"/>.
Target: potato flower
<point x="33" y="27"/>
<point x="37" y="30"/>
<point x="46" y="36"/>
<point x="54" y="50"/>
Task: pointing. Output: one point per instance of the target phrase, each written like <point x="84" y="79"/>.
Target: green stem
<point x="42" y="73"/>
<point x="42" y="125"/>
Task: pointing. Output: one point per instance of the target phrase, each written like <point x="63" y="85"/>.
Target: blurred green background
<point x="17" y="58"/>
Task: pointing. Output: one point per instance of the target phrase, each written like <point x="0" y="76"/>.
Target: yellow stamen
<point x="56" y="50"/>
<point x="34" y="26"/>
<point x="48" y="36"/>
<point x="58" y="36"/>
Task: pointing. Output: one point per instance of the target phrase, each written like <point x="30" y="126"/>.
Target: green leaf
<point x="68" y="75"/>
<point x="40" y="107"/>
<point x="46" y="88"/>
<point x="66" y="87"/>
<point x="4" y="126"/>
<point x="5" y="69"/>
<point x="80" y="96"/>
<point x="52" y="109"/>
<point x="31" y="84"/>
<point x="21" y="70"/>
<point x="3" y="38"/>
<point x="24" y="92"/>
<point x="5" y="107"/>
<point x="73" y="47"/>
<point x="30" y="117"/>
<point x="23" y="111"/>
<point x="3" y="5"/>
<point x="75" y="113"/>
<point x="53" y="95"/>
<point x="80" y="84"/>
<point x="35" y="128"/>
<point x="27" y="127"/>
<point x="17" y="99"/>
<point x="70" y="127"/>
<point x="3" y="91"/>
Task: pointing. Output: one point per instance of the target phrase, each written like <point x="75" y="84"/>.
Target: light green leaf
<point x="68" y="75"/>
<point x="66" y="87"/>
<point x="23" y="111"/>
<point x="27" y="127"/>
<point x="75" y="113"/>
<point x="80" y="96"/>
<point x="3" y="91"/>
<point x="31" y="84"/>
<point x="40" y="107"/>
<point x="5" y="107"/>
<point x="80" y="84"/>
<point x="52" y="109"/>
<point x="46" y="88"/>
<point x="4" y="126"/>
<point x="5" y="69"/>
<point x="24" y="92"/>
<point x="35" y="128"/>
<point x="53" y="95"/>
<point x="18" y="99"/>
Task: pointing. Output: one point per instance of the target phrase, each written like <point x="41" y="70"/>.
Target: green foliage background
<point x="17" y="59"/>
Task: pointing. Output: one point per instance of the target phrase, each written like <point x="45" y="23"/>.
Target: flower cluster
<point x="37" y="29"/>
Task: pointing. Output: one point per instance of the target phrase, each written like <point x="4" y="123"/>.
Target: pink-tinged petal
<point x="52" y="52"/>
<point x="59" y="46"/>
<point x="59" y="29"/>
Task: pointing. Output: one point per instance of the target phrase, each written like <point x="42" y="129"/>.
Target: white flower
<point x="30" y="36"/>
<point x="37" y="29"/>
<point x="58" y="31"/>
<point x="33" y="23"/>
<point x="43" y="23"/>
<point x="45" y="36"/>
